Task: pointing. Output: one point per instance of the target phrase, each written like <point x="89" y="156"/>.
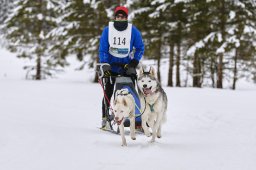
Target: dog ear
<point x="125" y="103"/>
<point x="141" y="71"/>
<point x="152" y="71"/>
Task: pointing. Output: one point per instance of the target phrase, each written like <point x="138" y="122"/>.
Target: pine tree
<point x="152" y="29"/>
<point x="242" y="34"/>
<point x="5" y="11"/>
<point x="77" y="27"/>
<point x="224" y="35"/>
<point x="100" y="22"/>
<point x="170" y="29"/>
<point x="199" y="27"/>
<point x="26" y="33"/>
<point x="179" y="16"/>
<point x="233" y="17"/>
<point x="171" y="25"/>
<point x="81" y="24"/>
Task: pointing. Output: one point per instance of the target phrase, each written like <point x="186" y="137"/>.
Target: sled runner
<point x="120" y="83"/>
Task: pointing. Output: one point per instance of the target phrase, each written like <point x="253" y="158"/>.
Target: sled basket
<point x="126" y="82"/>
<point x="122" y="82"/>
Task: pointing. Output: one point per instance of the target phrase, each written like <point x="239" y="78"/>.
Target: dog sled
<point x="120" y="83"/>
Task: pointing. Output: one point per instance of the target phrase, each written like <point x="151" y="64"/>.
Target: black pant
<point x="109" y="88"/>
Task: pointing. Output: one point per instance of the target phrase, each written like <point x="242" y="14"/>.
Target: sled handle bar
<point x="100" y="68"/>
<point x="114" y="76"/>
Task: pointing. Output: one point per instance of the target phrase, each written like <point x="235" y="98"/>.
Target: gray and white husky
<point x="153" y="101"/>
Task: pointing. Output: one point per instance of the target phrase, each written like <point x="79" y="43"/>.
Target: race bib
<point x="119" y="41"/>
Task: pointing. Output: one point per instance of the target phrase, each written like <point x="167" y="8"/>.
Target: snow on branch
<point x="221" y="49"/>
<point x="191" y="51"/>
<point x="249" y="29"/>
<point x="180" y="1"/>
<point x="154" y="14"/>
<point x="86" y="1"/>
<point x="139" y="11"/>
<point x="157" y="1"/>
<point x="163" y="7"/>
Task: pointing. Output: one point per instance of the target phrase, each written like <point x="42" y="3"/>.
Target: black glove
<point x="131" y="71"/>
<point x="130" y="68"/>
<point x="106" y="68"/>
<point x="133" y="64"/>
<point x="107" y="73"/>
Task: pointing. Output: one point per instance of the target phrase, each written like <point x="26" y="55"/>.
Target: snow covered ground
<point x="53" y="125"/>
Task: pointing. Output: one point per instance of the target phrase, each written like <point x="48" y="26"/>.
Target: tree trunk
<point x="178" y="66"/>
<point x="196" y="71"/>
<point x="202" y="71"/>
<point x="38" y="75"/>
<point x="235" y="72"/>
<point x="220" y="72"/>
<point x="213" y="71"/>
<point x="38" y="68"/>
<point x="159" y="61"/>
<point x="220" y="62"/>
<point x="170" y="74"/>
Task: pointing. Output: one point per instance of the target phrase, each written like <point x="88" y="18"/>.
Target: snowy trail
<point x="52" y="125"/>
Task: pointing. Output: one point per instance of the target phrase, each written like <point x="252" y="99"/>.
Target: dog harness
<point x="123" y="93"/>
<point x="151" y="107"/>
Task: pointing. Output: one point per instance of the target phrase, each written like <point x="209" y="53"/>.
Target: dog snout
<point x="116" y="118"/>
<point x="144" y="85"/>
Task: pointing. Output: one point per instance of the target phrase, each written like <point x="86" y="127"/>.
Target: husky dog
<point x="153" y="101"/>
<point x="124" y="107"/>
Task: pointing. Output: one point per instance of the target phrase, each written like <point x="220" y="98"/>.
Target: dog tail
<point x="164" y="118"/>
<point x="165" y="108"/>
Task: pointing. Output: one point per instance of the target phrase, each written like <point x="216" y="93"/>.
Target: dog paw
<point x="148" y="134"/>
<point x="124" y="144"/>
<point x="152" y="140"/>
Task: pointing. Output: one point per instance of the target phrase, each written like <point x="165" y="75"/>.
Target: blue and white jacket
<point x="105" y="57"/>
